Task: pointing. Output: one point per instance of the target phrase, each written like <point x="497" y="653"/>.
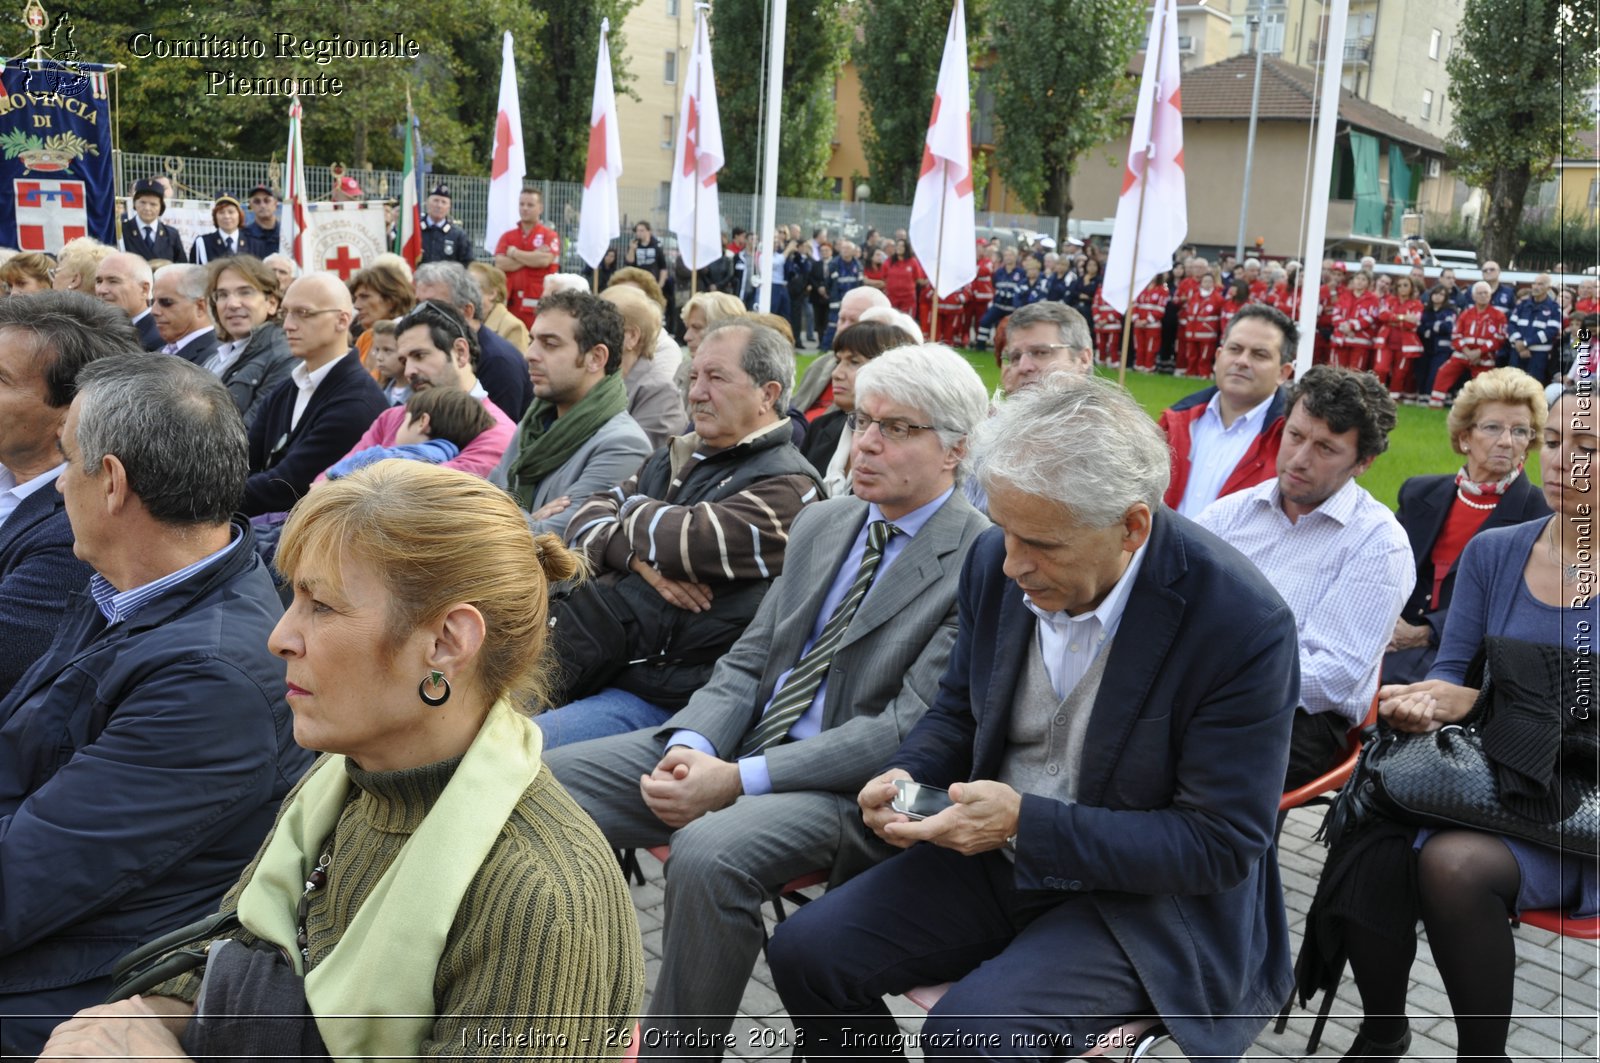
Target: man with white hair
<point x="815" y="387"/>
<point x="285" y="267"/>
<point x="751" y="783"/>
<point x="1534" y="328"/>
<point x="1113" y="766"/>
<point x="178" y="307"/>
<point x="843" y="276"/>
<point x="1252" y="274"/>
<point x="123" y="279"/>
<point x="1479" y="332"/>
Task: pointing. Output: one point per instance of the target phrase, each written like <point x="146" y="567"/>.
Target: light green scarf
<point x="373" y="994"/>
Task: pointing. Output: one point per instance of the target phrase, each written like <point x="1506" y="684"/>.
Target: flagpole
<point x="1138" y="218"/>
<point x="694" y="215"/>
<point x="938" y="253"/>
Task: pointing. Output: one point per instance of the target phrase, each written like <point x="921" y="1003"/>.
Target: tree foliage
<point x="558" y="89"/>
<point x="897" y="56"/>
<point x="1517" y="77"/>
<point x="815" y="38"/>
<point x="454" y="83"/>
<point x="1059" y="76"/>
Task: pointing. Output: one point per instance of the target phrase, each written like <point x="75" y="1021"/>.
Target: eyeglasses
<point x="1042" y="353"/>
<point x="295" y="313"/>
<point x="891" y="428"/>
<point x="1492" y="430"/>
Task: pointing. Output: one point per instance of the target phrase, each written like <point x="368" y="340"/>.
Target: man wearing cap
<point x="227" y="241"/>
<point x="261" y="235"/>
<point x="442" y="239"/>
<point x="528" y="254"/>
<point x="346" y="190"/>
<point x="143" y="234"/>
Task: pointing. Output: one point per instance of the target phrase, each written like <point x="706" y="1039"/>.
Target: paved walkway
<point x="1557" y="990"/>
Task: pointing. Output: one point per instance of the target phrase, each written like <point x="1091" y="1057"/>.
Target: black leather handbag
<point x="1448" y="777"/>
<point x="1442" y="778"/>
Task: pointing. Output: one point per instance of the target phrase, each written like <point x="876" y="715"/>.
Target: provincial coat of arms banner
<point x="56" y="178"/>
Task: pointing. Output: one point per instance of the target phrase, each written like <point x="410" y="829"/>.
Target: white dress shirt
<point x="1069" y="644"/>
<point x="1345" y="569"/>
<point x="1215" y="451"/>
<point x="308" y="381"/>
<point x="178" y="346"/>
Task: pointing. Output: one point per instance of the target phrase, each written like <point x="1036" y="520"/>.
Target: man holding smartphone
<point x="1109" y="849"/>
<point x="754" y="781"/>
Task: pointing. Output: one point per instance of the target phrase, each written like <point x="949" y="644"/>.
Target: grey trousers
<point x="723" y="867"/>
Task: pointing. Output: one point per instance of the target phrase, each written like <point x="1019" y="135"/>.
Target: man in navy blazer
<point x="315" y="417"/>
<point x="43" y="345"/>
<point x="1113" y="729"/>
<point x="123" y="280"/>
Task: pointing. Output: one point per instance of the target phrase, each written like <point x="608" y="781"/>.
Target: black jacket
<point x="141" y="764"/>
<point x="680" y="648"/>
<point x="447" y="243"/>
<point x="264" y="363"/>
<point x="283" y="462"/>
<point x="503" y="373"/>
<point x="149" y="338"/>
<point x="1425" y="503"/>
<point x="38" y="572"/>
<point x="167" y="243"/>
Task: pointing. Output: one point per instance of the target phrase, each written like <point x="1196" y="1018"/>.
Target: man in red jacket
<point x="1479" y="332"/>
<point x="1225" y="438"/>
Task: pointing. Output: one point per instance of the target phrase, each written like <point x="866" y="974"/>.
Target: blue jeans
<point x="610" y="712"/>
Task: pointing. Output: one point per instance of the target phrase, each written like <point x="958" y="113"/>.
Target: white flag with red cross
<point x="1153" y="213"/>
<point x="694" y="215"/>
<point x="943" y="227"/>
<point x="508" y="166"/>
<point x="599" y="217"/>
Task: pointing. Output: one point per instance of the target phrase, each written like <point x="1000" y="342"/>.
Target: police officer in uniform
<point x="442" y="239"/>
<point x="143" y="234"/>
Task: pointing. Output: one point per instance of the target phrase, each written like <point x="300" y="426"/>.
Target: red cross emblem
<point x="342" y="263"/>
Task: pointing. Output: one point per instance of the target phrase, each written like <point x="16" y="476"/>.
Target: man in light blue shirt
<point x="753" y="783"/>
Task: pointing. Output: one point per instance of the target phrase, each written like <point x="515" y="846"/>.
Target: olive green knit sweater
<point x="543" y="960"/>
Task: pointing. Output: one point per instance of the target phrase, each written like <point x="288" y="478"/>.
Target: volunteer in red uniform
<point x="527" y="255"/>
<point x="1479" y="332"/>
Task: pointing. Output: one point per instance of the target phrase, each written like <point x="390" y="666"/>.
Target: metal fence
<point x="205" y="178"/>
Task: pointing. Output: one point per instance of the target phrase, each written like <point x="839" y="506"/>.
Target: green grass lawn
<point x="1417" y="445"/>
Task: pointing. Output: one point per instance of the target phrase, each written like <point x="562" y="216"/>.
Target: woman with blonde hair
<point x="76" y="264"/>
<point x="1494" y="421"/>
<point x="499" y="320"/>
<point x="699" y="314"/>
<point x="26" y="272"/>
<point x="427" y="873"/>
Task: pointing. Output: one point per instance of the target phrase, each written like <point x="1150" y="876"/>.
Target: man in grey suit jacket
<point x="753" y="782"/>
<point x="574" y="361"/>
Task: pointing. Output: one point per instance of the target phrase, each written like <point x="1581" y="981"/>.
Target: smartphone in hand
<point x="919" y="800"/>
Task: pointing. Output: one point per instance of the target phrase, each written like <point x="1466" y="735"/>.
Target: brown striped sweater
<point x="543" y="960"/>
<point x="738" y="537"/>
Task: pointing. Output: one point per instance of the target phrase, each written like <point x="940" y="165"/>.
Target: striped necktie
<point x="801" y="687"/>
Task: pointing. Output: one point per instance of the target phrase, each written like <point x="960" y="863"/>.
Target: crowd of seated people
<point x="733" y="616"/>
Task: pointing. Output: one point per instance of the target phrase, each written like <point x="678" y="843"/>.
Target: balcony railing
<point x="1355" y="51"/>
